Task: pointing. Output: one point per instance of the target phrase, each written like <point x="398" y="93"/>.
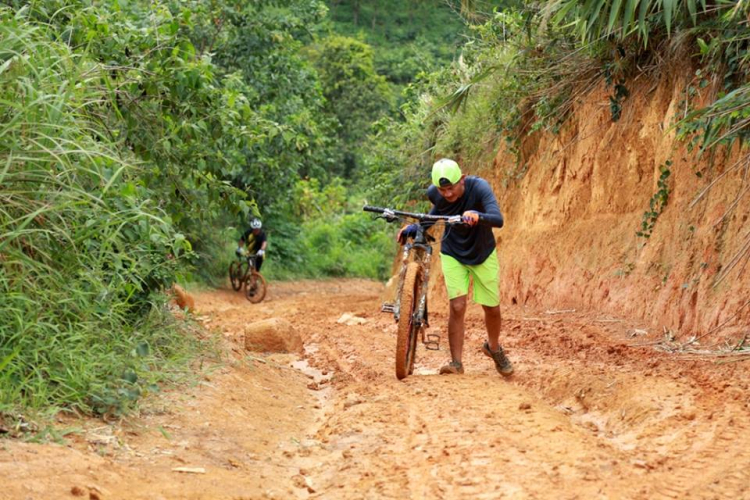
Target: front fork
<point x="421" y="316"/>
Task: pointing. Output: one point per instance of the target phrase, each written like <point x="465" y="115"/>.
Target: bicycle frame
<point x="251" y="262"/>
<point x="250" y="259"/>
<point x="422" y="250"/>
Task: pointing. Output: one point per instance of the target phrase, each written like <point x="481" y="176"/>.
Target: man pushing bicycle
<point x="467" y="251"/>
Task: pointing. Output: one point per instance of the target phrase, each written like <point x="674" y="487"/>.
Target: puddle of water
<point x="421" y="370"/>
<point x="316" y="375"/>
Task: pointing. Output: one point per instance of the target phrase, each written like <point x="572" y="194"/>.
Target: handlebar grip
<point x="369" y="208"/>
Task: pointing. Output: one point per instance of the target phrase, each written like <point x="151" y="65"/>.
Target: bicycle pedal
<point x="433" y="342"/>
<point x="388" y="307"/>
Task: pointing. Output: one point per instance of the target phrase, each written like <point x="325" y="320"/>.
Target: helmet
<point x="256" y="224"/>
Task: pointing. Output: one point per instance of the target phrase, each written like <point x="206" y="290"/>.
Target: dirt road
<point x="588" y="415"/>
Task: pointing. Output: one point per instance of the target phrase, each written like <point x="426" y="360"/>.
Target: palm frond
<point x="593" y="19"/>
<point x="458" y="98"/>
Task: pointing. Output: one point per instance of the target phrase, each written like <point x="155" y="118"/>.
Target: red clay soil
<point x="575" y="200"/>
<point x="589" y="414"/>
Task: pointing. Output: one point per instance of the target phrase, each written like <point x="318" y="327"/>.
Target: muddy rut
<point x="594" y="411"/>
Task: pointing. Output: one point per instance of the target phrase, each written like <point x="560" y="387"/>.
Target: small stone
<point x="77" y="491"/>
<point x="524" y="406"/>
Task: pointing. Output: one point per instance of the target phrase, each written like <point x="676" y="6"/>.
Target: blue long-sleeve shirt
<point x="469" y="245"/>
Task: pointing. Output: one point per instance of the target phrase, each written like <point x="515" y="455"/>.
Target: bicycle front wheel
<point x="236" y="274"/>
<point x="406" y="343"/>
<point x="255" y="287"/>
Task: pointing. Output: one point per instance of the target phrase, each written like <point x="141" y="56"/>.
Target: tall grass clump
<point x="83" y="249"/>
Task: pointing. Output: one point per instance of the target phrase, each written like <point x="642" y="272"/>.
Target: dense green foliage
<point x="332" y="237"/>
<point x="519" y="81"/>
<point x="82" y="245"/>
<point x="412" y="36"/>
<point x="355" y="95"/>
<point x="522" y="70"/>
<point x="137" y="137"/>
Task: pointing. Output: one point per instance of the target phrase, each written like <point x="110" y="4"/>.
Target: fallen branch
<point x="560" y="311"/>
<point x="190" y="470"/>
<point x="736" y="360"/>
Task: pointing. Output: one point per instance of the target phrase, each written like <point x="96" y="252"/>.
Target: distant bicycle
<point x="242" y="273"/>
<point x="410" y="308"/>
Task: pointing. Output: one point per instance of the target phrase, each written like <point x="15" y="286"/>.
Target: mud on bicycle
<point x="410" y="307"/>
<point x="242" y="272"/>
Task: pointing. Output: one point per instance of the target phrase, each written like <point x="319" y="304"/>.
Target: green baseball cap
<point x="445" y="172"/>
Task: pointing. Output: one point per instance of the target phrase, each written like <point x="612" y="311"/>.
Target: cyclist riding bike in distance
<point x="255" y="240"/>
<point x="466" y="252"/>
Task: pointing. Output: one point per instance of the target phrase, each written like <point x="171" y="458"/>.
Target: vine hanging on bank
<point x="657" y="203"/>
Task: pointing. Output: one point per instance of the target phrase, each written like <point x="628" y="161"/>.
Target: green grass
<point x="84" y="252"/>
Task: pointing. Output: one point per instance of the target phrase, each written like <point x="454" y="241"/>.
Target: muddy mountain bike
<point x="410" y="308"/>
<point x="242" y="273"/>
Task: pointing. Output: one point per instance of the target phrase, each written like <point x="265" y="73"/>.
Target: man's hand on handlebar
<point x="406" y="232"/>
<point x="471" y="217"/>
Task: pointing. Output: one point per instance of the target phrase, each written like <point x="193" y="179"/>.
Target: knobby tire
<point x="236" y="275"/>
<point x="255" y="287"/>
<point x="406" y="343"/>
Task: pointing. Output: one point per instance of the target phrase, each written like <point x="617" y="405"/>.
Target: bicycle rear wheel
<point x="255" y="287"/>
<point x="236" y="274"/>
<point x="406" y="343"/>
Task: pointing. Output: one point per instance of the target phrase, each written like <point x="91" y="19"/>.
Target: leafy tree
<point x="262" y="43"/>
<point x="410" y="36"/>
<point x="356" y="96"/>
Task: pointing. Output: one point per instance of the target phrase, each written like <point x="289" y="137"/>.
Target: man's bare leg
<point x="456" y="327"/>
<point x="493" y="320"/>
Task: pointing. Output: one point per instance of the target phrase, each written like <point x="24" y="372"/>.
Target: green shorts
<point x="484" y="275"/>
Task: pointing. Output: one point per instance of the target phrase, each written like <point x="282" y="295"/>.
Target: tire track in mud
<point x="463" y="436"/>
<point x="720" y="469"/>
<point x="587" y="417"/>
<point x="736" y="480"/>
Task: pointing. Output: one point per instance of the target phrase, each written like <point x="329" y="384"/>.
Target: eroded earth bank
<point x="594" y="411"/>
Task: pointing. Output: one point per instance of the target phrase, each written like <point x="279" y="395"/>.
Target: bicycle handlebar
<point x="246" y="256"/>
<point x="389" y="213"/>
